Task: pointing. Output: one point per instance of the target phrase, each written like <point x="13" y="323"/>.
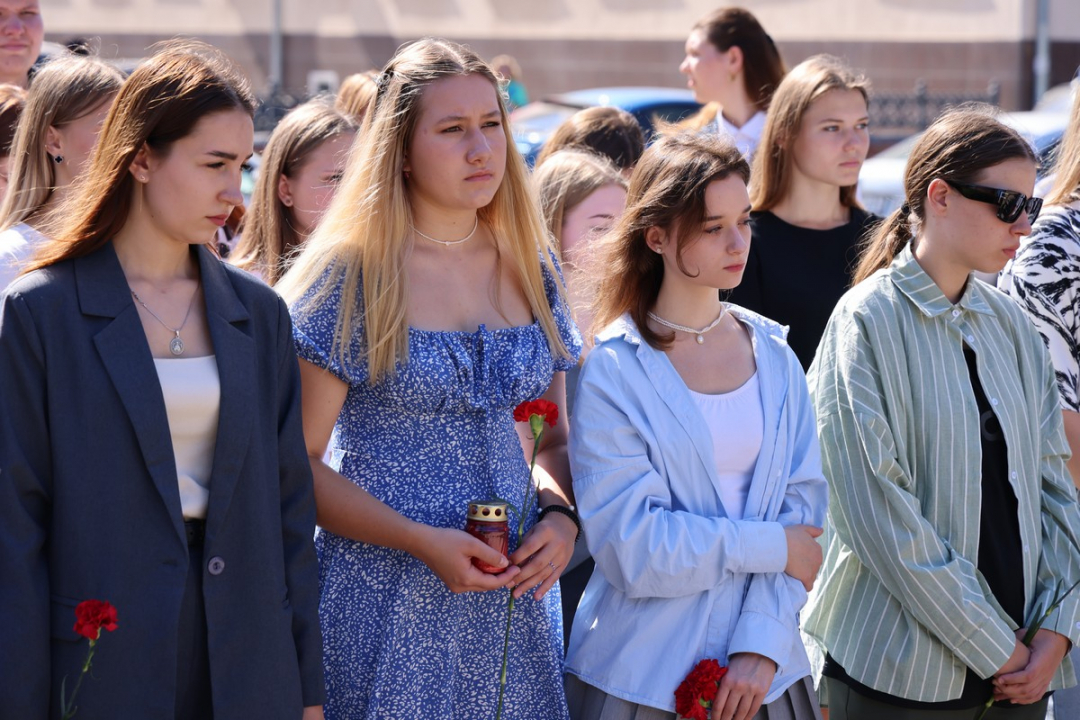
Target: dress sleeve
<point x="1044" y="279"/>
<point x="313" y="335"/>
<point x="874" y="510"/>
<point x="564" y="322"/>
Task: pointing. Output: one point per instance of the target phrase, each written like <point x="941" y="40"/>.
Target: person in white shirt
<point x="56" y="134"/>
<point x="733" y="66"/>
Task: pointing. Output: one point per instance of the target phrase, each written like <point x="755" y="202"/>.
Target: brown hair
<point x="608" y="131"/>
<point x="64" y="90"/>
<point x="667" y="191"/>
<point x="356" y="94"/>
<point x="957" y="147"/>
<point x="763" y="68"/>
<point x="1066" y="170"/>
<point x="566" y="179"/>
<point x="160" y="103"/>
<point x="12" y="102"/>
<point x="267" y="235"/>
<point x="806" y="82"/>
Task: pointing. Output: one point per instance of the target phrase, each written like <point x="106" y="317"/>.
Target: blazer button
<point x="216" y="566"/>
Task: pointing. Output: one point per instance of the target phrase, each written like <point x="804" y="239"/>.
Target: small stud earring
<point x="287" y="202"/>
<point x="59" y="159"/>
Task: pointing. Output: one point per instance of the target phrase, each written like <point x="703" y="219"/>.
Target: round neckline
<point x="187" y="359"/>
<point x="730" y="393"/>
<point x="481" y="328"/>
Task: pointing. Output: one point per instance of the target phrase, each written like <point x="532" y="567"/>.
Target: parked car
<point x="881" y="181"/>
<point x="532" y="124"/>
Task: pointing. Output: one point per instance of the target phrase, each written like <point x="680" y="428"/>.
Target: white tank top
<point x="192" y="391"/>
<point x="736" y="422"/>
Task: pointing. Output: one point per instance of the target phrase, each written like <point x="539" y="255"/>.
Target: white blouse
<point x="192" y="391"/>
<point x="736" y="422"/>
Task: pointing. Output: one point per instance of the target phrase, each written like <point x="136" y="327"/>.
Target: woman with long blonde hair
<point x="427" y="305"/>
<point x="807" y="223"/>
<point x="301" y="168"/>
<point x="55" y="136"/>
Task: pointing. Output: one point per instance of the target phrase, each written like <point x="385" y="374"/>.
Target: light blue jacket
<point x="676" y="580"/>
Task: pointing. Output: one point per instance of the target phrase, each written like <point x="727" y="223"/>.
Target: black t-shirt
<point x="1001" y="558"/>
<point x="795" y="275"/>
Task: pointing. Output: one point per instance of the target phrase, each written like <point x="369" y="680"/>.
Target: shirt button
<point x="970" y="339"/>
<point x="216" y="566"/>
<point x="956" y="313"/>
<point x="993" y="401"/>
<point x="1013" y="474"/>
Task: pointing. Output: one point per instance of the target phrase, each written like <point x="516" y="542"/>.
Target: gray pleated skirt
<point x="586" y="702"/>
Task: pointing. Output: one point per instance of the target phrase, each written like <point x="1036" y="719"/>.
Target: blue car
<point x="535" y="122"/>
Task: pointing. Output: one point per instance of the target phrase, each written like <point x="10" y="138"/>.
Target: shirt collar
<point x="913" y="281"/>
<point x="751" y="130"/>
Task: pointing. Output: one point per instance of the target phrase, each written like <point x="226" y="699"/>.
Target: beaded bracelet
<point x="568" y="512"/>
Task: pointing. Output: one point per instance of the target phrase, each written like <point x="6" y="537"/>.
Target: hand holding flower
<point x="1029" y="684"/>
<point x="743" y="688"/>
<point x="544" y="552"/>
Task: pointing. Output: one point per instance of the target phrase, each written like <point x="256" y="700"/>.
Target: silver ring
<point x="553" y="567"/>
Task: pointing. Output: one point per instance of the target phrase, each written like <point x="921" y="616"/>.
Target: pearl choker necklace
<point x="448" y="243"/>
<point x="692" y="331"/>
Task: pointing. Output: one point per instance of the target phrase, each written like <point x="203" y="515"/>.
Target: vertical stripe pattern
<point x="900" y="602"/>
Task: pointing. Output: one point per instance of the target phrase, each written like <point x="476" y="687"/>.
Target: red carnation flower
<point x="696" y="693"/>
<point x="93" y="615"/>
<point x="547" y="410"/>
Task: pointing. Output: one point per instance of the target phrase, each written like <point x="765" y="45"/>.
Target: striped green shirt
<point x="900" y="603"/>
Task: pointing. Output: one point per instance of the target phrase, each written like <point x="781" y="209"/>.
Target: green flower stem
<point x="68" y="706"/>
<point x="536" y="424"/>
<point x="1029" y="636"/>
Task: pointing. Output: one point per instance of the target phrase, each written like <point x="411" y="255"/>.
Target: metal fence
<point x="900" y="114"/>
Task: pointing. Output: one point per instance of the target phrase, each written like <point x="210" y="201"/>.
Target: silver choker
<point x="692" y="331"/>
<point x="448" y="243"/>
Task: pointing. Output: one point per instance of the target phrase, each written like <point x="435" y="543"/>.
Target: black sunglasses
<point x="1009" y="202"/>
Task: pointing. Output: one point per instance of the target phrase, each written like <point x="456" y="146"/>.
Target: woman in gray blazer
<point x="151" y="451"/>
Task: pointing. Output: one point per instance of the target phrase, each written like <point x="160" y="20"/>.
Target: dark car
<point x="532" y="124"/>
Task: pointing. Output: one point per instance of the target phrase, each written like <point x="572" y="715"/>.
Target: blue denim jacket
<point x="676" y="580"/>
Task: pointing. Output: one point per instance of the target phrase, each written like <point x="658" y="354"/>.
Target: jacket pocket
<point x="62" y="618"/>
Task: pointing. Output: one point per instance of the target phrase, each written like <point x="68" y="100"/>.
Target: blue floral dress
<point x="397" y="643"/>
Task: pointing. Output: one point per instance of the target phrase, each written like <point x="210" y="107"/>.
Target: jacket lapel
<point x="236" y="361"/>
<point x="103" y="292"/>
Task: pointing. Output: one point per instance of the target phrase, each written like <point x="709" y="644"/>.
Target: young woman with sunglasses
<point x="952" y="518"/>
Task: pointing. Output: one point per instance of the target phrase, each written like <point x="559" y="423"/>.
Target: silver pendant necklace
<point x="692" y="331"/>
<point x="448" y="243"/>
<point x="176" y="345"/>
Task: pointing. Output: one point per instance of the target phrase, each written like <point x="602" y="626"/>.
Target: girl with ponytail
<point x="952" y="518"/>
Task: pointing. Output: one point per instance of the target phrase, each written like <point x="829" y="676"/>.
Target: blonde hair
<point x="366" y="228"/>
<point x="267" y="235"/>
<point x="63" y="91"/>
<point x="667" y="191"/>
<point x="1066" y="188"/>
<point x="806" y="82"/>
<point x="356" y="94"/>
<point x="566" y="180"/>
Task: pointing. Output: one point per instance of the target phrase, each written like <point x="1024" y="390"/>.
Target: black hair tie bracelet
<point x="568" y="512"/>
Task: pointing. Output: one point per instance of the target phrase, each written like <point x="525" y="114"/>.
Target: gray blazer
<point x="90" y="507"/>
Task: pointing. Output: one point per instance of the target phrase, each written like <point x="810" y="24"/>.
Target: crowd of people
<point x="791" y="436"/>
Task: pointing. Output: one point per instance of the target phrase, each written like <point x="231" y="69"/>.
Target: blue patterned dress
<point x="397" y="643"/>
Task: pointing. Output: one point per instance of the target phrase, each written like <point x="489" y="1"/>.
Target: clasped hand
<point x="535" y="565"/>
<point x="1026" y="677"/>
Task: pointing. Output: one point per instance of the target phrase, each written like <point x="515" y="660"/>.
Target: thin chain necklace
<point x="692" y="331"/>
<point x="176" y="345"/>
<point x="448" y="243"/>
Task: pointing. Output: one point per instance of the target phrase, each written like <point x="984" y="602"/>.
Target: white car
<point x="881" y="181"/>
